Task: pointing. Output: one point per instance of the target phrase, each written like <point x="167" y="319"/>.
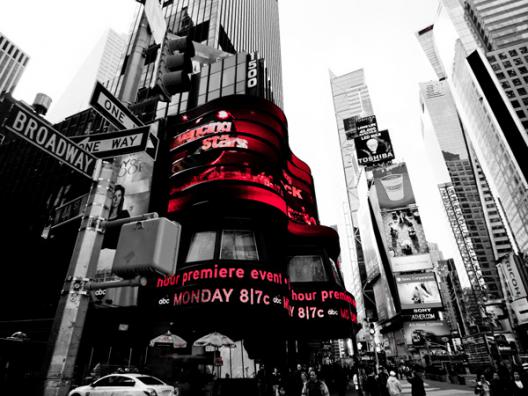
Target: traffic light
<point x="175" y="66"/>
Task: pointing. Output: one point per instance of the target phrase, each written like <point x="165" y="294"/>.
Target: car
<point x="125" y="385"/>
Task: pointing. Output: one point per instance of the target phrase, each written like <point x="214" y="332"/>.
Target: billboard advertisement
<point x="418" y="290"/>
<point x="393" y="187"/>
<point x="512" y="277"/>
<point x="520" y="308"/>
<point x="366" y="125"/>
<point x="436" y="333"/>
<point x="350" y="127"/>
<point x="229" y="148"/>
<point x="404" y="233"/>
<point x="374" y="148"/>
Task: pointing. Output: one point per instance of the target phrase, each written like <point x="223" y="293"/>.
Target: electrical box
<point x="147" y="247"/>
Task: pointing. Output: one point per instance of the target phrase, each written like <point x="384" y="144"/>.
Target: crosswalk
<point x="435" y="391"/>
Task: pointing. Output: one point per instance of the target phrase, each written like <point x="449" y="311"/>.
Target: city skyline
<point x="394" y="95"/>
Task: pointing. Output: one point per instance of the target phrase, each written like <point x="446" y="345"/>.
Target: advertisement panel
<point x="366" y="125"/>
<point x="245" y="293"/>
<point x="513" y="279"/>
<point x="239" y="149"/>
<point x="393" y="187"/>
<point x="418" y="290"/>
<point x="520" y="308"/>
<point x="404" y="234"/>
<point x="374" y="148"/>
<point x="421" y="314"/>
<point x="350" y="127"/>
<point x="436" y="333"/>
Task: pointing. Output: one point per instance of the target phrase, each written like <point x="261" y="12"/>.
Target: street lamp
<point x="372" y="332"/>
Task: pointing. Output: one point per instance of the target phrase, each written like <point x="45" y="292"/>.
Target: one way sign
<point x="113" y="144"/>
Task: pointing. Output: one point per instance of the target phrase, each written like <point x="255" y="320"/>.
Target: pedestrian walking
<point x="518" y="386"/>
<point x="383" y="377"/>
<point x="417" y="384"/>
<point x="482" y="387"/>
<point x="315" y="387"/>
<point x="371" y="387"/>
<point x="393" y="385"/>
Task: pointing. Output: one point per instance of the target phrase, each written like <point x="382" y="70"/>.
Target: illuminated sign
<point x="249" y="285"/>
<point x="198" y="132"/>
<point x="249" y="148"/>
<point x="374" y="148"/>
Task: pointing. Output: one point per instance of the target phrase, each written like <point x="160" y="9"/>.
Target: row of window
<point x="241" y="245"/>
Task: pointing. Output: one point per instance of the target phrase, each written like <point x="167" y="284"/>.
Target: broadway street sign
<point x="37" y="131"/>
<point x="113" y="144"/>
<point x="69" y="211"/>
<point x="112" y="109"/>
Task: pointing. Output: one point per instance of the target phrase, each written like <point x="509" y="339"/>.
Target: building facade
<point x="490" y="122"/>
<point x="462" y="178"/>
<point x="102" y="64"/>
<point x="13" y="61"/>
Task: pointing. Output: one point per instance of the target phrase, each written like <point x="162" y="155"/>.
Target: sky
<point x="336" y="35"/>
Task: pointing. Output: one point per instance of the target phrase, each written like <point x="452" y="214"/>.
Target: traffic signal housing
<point x="175" y="66"/>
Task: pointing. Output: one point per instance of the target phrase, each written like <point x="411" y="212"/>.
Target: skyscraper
<point x="102" y="64"/>
<point x="352" y="100"/>
<point x="490" y="122"/>
<point x="12" y="64"/>
<point x="475" y="236"/>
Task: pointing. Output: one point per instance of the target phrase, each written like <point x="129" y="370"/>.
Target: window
<point x="521" y="91"/>
<point x="306" y="269"/>
<point x="335" y="272"/>
<point x="520" y="113"/>
<point x="513" y="53"/>
<point x="505" y="84"/>
<point x="518" y="61"/>
<point x="500" y="76"/>
<point x="516" y="82"/>
<point x="238" y="245"/>
<point x="507" y="64"/>
<point x="114" y="380"/>
<point x="523" y="69"/>
<point x="511" y="73"/>
<point x="515" y="103"/>
<point x="202" y="246"/>
<point x="150" y="380"/>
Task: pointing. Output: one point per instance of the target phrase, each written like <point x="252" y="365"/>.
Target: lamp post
<point x="372" y="332"/>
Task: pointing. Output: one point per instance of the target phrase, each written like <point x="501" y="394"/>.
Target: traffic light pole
<point x="74" y="300"/>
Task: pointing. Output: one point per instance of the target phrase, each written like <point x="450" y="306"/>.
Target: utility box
<point x="147" y="247"/>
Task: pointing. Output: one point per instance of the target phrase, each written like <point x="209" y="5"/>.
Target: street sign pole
<point x="74" y="300"/>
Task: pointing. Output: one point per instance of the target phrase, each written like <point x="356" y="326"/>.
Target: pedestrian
<point x="518" y="386"/>
<point x="304" y="379"/>
<point x="383" y="377"/>
<point x="417" y="384"/>
<point x="393" y="385"/>
<point x="315" y="387"/>
<point x="482" y="387"/>
<point x="371" y="384"/>
<point x="497" y="387"/>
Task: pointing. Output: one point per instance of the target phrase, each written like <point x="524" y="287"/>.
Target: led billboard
<point x="374" y="148"/>
<point x="435" y="333"/>
<point x="418" y="290"/>
<point x="393" y="187"/>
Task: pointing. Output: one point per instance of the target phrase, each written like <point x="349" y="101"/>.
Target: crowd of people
<point x="388" y="382"/>
<point x="503" y="381"/>
<point x="304" y="380"/>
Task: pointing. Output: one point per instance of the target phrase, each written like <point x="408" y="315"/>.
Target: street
<point x="436" y="388"/>
<point x="433" y="388"/>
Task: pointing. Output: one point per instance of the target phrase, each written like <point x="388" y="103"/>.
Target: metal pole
<point x="73" y="303"/>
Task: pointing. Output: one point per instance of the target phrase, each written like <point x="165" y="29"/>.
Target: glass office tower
<point x="13" y="61"/>
<point x="490" y="122"/>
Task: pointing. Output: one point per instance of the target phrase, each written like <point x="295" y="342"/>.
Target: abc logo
<point x="277" y="300"/>
<point x="332" y="312"/>
<point x="100" y="293"/>
<point x="163" y="301"/>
